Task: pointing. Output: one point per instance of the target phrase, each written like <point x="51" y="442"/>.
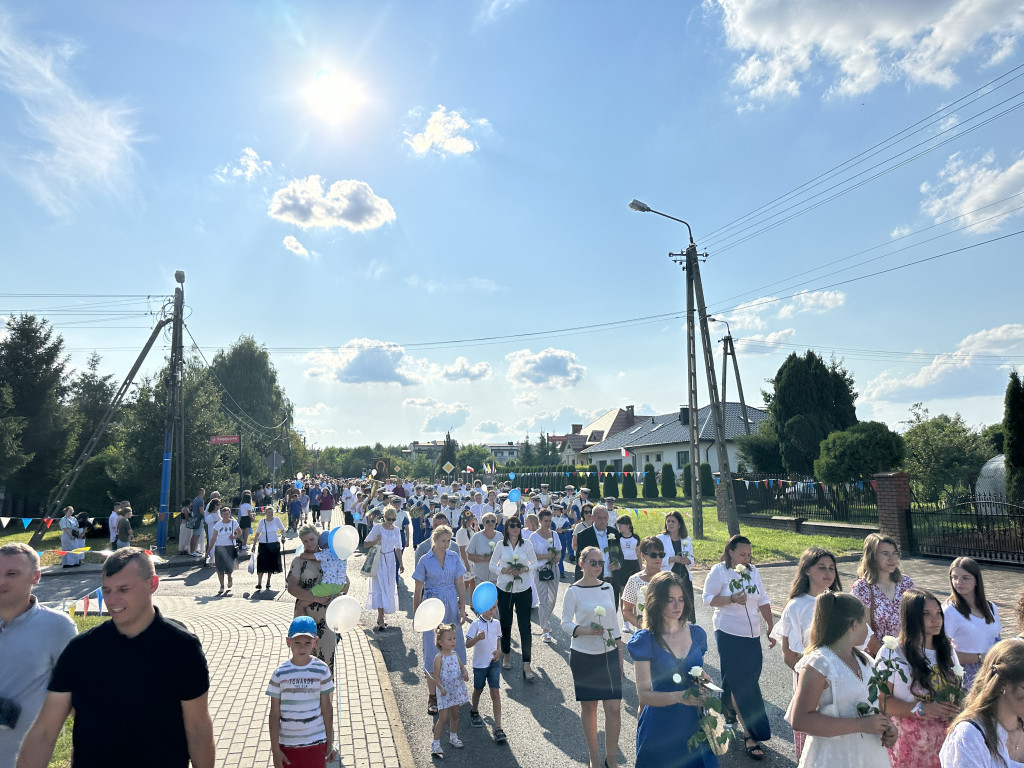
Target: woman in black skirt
<point x="595" y="656"/>
<point x="269" y="535"/>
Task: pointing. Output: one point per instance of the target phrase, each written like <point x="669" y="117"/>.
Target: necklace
<point x="1014" y="744"/>
<point x="855" y="669"/>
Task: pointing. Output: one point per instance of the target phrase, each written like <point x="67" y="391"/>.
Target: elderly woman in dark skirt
<point x="268" y="538"/>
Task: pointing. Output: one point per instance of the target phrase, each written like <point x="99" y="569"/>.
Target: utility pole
<point x="695" y="294"/>
<point x="174" y="422"/>
<point x="729" y="349"/>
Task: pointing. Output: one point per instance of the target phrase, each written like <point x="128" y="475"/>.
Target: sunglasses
<point x="655" y="555"/>
<point x="391" y="519"/>
<point x="513" y="525"/>
<point x="595" y="562"/>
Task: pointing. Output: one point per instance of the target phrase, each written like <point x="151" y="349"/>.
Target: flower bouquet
<point x="517" y="567"/>
<point x="713" y="728"/>
<point x="952" y="693"/>
<point x="880" y="680"/>
<point x="745" y="583"/>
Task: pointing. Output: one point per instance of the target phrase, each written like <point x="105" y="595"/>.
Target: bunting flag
<point x="860" y="485"/>
<point x="26" y="521"/>
<point x="874" y="486"/>
<point x="99" y="601"/>
<point x="85" y="606"/>
<point x="48" y="521"/>
<point x="718" y="481"/>
<point x="71" y="610"/>
<point x="4" y="521"/>
<point x="636" y="512"/>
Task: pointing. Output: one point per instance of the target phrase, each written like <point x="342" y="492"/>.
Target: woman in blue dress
<point x="439" y="574"/>
<point x="664" y="653"/>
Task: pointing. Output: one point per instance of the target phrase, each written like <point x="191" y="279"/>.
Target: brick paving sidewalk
<point x="1003" y="584"/>
<point x="244" y="641"/>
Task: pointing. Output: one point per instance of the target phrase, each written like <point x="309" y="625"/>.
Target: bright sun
<point x="334" y="96"/>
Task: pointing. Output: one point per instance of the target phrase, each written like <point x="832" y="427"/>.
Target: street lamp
<point x="695" y="295"/>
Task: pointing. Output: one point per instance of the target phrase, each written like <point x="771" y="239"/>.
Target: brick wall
<point x="893" y="491"/>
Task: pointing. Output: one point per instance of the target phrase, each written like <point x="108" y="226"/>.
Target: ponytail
<point x="834" y="614"/>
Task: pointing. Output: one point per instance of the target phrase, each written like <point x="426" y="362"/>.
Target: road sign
<point x="447" y="467"/>
<point x="224" y="439"/>
<point x="274" y="461"/>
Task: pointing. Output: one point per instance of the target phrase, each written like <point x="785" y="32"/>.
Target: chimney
<point x="630" y="416"/>
<point x="684" y="415"/>
<point x="577" y="428"/>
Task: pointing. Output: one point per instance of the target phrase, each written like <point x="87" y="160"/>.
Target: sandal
<point x="754" y="750"/>
<point x="432" y="704"/>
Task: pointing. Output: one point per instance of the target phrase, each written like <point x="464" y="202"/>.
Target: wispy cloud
<point x="492" y="10"/>
<point x="293" y="245"/>
<point x="964" y="186"/>
<point x="70" y="143"/>
<point x="247" y="167"/>
<point x="814" y="302"/>
<point x="444" y="134"/>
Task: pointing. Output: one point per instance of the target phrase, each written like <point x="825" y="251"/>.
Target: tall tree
<point x="1013" y="437"/>
<point x="91" y="394"/>
<point x="474" y="456"/>
<point x="527" y="458"/>
<point x="942" y="453"/>
<point x="761" y="449"/>
<point x="810" y="401"/>
<point x="861" y="450"/>
<point x="34" y="371"/>
<point x="12" y="457"/>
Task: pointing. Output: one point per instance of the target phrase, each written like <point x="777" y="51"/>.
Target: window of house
<point x="657" y="458"/>
<point x="601" y="465"/>
<point x="647" y="458"/>
<point x="682" y="459"/>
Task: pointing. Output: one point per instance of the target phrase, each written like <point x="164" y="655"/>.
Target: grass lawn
<point x="768" y="545"/>
<point x="145" y="537"/>
<point x="62" y="751"/>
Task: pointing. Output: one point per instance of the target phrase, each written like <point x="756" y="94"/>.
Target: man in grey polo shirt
<point x="31" y="639"/>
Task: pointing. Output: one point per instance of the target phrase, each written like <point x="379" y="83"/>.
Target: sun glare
<point x="334" y="96"/>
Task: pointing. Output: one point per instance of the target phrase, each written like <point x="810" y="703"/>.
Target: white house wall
<point x="668" y="453"/>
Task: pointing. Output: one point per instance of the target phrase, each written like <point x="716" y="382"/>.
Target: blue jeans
<point x="566" y="539"/>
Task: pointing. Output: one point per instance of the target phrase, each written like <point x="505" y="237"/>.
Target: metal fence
<point x="853" y="502"/>
<point x="987" y="527"/>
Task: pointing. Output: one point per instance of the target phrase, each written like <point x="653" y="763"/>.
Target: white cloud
<point x="527" y="398"/>
<point x="548" y="368"/>
<point x="490" y="427"/>
<point x="900" y="231"/>
<point x="747" y="316"/>
<point x="248" y="166"/>
<point x="375" y="269"/>
<point x="481" y="285"/>
<point x="364" y="361"/>
<point x="964" y="186"/>
<point x="763" y="343"/>
<point x="816" y="302"/>
<point x="477" y="285"/>
<point x="971" y="355"/>
<point x="864" y="44"/>
<point x="293" y="245"/>
<point x="555" y="422"/>
<point x="347" y="203"/>
<point x="71" y="145"/>
<point x="446" y="416"/>
<point x="492" y="10"/>
<point x="444" y="134"/>
<point x="463" y="370"/>
<point x="310" y="411"/>
<point x="419" y="402"/>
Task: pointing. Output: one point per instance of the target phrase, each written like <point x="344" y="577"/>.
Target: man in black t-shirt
<point x="159" y="726"/>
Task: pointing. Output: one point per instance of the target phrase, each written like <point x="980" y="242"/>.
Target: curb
<point x="405" y="758"/>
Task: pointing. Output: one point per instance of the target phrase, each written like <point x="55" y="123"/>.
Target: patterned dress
<point x="308" y="574"/>
<point x="454" y="686"/>
<point x="885" y="613"/>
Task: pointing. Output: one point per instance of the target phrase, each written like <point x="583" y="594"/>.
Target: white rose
<point x="677" y="678"/>
<point x="611" y="537"/>
<point x="958" y="671"/>
<point x="696" y="672"/>
<point x="643" y="592"/>
<point x="599" y="611"/>
<point x="740" y="568"/>
<point x="492" y="543"/>
<point x="890" y="642"/>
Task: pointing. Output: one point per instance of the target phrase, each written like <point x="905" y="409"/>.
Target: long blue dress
<point x="662" y="732"/>
<point x="439" y="582"/>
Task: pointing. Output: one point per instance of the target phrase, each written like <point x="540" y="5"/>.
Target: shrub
<point x="628" y="482"/>
<point x="650" y="482"/>
<point x="611" y="483"/>
<point x="668" y="482"/>
<point x="593" y="482"/>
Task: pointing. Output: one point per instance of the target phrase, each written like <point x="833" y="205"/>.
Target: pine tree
<point x="668" y="482"/>
<point x="593" y="482"/>
<point x="650" y="482"/>
<point x="628" y="482"/>
<point x="611" y="482"/>
<point x="1013" y="437"/>
<point x="526" y="455"/>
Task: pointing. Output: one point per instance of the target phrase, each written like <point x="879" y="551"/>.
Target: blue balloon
<point x="511" y="475"/>
<point x="298" y="485"/>
<point x="484" y="597"/>
<point x="330" y="541"/>
<point x="514" y="494"/>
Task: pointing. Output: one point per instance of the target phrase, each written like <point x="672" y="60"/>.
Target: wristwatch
<point x="918" y="709"/>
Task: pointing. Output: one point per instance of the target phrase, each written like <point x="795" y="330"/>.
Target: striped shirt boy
<point x="299" y="689"/>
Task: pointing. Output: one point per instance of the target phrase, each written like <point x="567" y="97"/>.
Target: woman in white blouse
<point x="269" y="535"/>
<point x="972" y="622"/>
<point x="70" y="535"/>
<point x="679" y="555"/>
<point x="735" y="590"/>
<point x="547" y="549"/>
<point x="512" y="561"/>
<point x="595" y="655"/>
<point x="989" y="732"/>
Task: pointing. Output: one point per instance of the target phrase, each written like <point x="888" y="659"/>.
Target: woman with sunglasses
<point x="595" y="655"/>
<point x="880" y="587"/>
<point x="512" y="563"/>
<point x="548" y="550"/>
<point x="384" y="586"/>
<point x="651" y="553"/>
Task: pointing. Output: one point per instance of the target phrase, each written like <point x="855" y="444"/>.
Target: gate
<point x="987" y="527"/>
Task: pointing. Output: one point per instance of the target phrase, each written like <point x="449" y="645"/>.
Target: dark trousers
<point x="740" y="658"/>
<point x="687" y="587"/>
<point x="521" y="602"/>
<point x="615" y="588"/>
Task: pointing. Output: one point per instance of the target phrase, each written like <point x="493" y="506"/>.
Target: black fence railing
<point x="987" y="527"/>
<point x="854" y="502"/>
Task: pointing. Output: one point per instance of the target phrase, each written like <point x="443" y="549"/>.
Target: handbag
<point x="371" y="562"/>
<point x="546" y="574"/>
<point x="255" y="544"/>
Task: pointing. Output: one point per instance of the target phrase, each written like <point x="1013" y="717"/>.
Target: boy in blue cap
<point x="301" y="710"/>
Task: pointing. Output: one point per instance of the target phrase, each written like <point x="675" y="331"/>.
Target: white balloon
<point x="298" y="475"/>
<point x="509" y="508"/>
<point x="428" y="615"/>
<point x="343" y="614"/>
<point x="344" y="541"/>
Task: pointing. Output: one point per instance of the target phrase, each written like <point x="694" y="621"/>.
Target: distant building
<point x="431" y="449"/>
<point x="503" y="452"/>
<point x="609" y="424"/>
<point x="665" y="439"/>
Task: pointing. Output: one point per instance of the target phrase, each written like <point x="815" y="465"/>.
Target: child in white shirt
<point x="483" y="637"/>
<point x="334" y="579"/>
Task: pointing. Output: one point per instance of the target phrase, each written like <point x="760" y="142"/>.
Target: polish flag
<point x="625" y="452"/>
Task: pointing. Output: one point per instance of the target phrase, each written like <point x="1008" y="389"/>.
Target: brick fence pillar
<point x="893" y="492"/>
<point x="720" y="502"/>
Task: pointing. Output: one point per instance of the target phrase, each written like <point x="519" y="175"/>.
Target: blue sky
<point x="409" y="203"/>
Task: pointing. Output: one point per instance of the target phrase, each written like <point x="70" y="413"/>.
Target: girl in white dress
<point x="833" y="680"/>
<point x="383" y="593"/>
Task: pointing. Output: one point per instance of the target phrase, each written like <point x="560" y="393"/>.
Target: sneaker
<point x="475" y="719"/>
<point x="435" y="749"/>
<point x="548" y="638"/>
<point x="627" y="628"/>
<point x="455" y="741"/>
<point x="499" y="736"/>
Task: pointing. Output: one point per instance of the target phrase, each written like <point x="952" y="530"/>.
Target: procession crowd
<point x="883" y="675"/>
